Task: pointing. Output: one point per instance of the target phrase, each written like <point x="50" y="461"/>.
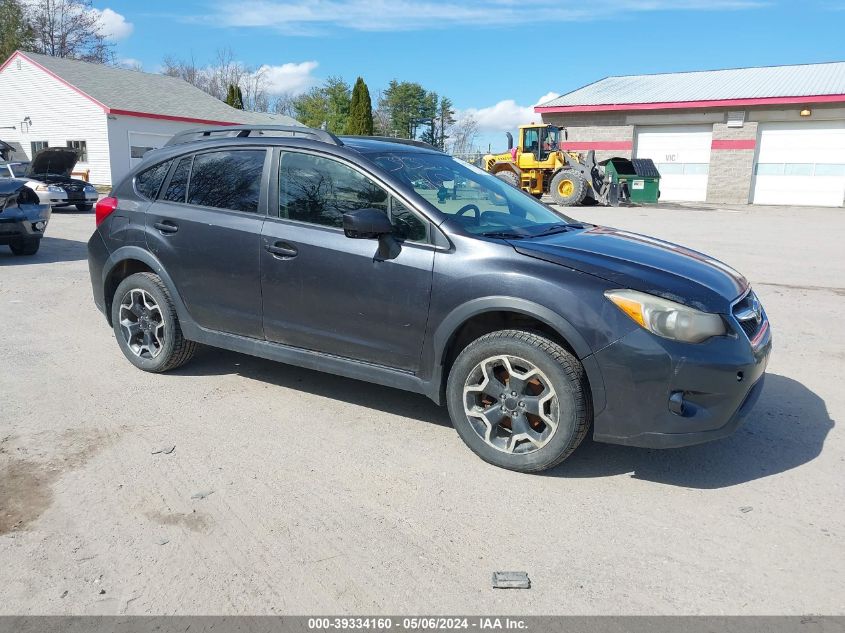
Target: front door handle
<point x="166" y="226"/>
<point x="282" y="250"/>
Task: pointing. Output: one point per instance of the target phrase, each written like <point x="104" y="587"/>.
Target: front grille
<point x="72" y="187"/>
<point x="749" y="314"/>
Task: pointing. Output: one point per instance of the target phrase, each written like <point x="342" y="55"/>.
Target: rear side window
<point x="148" y="182"/>
<point x="227" y="180"/>
<point x="178" y="185"/>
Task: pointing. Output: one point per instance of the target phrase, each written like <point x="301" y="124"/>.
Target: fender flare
<point x="458" y="316"/>
<point x="507" y="165"/>
<point x="137" y="253"/>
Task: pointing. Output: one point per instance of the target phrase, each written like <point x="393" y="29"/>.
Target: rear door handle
<point x="165" y="226"/>
<point x="283" y="250"/>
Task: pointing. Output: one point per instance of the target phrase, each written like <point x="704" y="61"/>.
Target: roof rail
<point x="390" y="139"/>
<point x="243" y="131"/>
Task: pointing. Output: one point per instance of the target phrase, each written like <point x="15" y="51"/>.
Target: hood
<point x="638" y="262"/>
<point x="53" y="160"/>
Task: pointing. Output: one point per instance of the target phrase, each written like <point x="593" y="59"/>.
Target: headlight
<point x="50" y="188"/>
<point x="90" y="189"/>
<point x="667" y="318"/>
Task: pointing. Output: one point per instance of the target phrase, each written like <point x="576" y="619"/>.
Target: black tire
<point x="509" y="177"/>
<point x="84" y="207"/>
<point x="568" y="188"/>
<point x="563" y="371"/>
<point x="25" y="247"/>
<point x="175" y="349"/>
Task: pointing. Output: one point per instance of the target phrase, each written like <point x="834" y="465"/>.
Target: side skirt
<point x="309" y="359"/>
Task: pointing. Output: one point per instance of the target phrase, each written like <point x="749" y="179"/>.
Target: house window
<point x="37" y="146"/>
<point x="82" y="148"/>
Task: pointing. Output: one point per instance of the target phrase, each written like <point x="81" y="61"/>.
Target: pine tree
<point x="234" y="97"/>
<point x="360" y="121"/>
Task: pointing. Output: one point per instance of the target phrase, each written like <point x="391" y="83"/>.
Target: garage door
<point x="682" y="155"/>
<point x="801" y="163"/>
<point x="142" y="142"/>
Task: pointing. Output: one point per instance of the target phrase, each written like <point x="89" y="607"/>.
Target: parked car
<point x="23" y="219"/>
<point x="341" y="255"/>
<point x="49" y="176"/>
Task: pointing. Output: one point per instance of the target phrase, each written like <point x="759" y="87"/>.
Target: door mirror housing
<point x="366" y="224"/>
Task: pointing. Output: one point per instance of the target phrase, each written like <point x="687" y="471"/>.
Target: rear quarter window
<point x="148" y="182"/>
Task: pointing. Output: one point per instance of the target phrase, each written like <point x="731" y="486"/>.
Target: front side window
<point x="228" y="179"/>
<point x="471" y="197"/>
<point x="148" y="182"/>
<point x="319" y="190"/>
<point x="178" y="185"/>
<point x="81" y="148"/>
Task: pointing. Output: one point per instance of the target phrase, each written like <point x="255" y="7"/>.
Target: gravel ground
<point x="328" y="495"/>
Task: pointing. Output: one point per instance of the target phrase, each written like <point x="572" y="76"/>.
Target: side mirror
<point x="366" y="224"/>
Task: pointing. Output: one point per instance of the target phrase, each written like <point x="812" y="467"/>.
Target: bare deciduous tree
<point x="68" y="28"/>
<point x="463" y="135"/>
<point x="216" y="78"/>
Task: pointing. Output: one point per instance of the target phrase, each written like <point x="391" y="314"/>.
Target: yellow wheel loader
<point x="538" y="166"/>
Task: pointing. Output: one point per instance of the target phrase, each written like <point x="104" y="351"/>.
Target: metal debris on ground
<point x="202" y="494"/>
<point x="746" y="509"/>
<point x="165" y="449"/>
<point x="511" y="580"/>
<point x="163" y="541"/>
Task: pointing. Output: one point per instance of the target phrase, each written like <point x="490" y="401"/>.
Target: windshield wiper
<point x="505" y="235"/>
<point x="559" y="228"/>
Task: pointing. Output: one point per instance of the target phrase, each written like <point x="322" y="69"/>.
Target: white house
<point x="111" y="115"/>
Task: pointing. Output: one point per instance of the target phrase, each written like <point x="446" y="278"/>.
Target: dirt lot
<point x="334" y="496"/>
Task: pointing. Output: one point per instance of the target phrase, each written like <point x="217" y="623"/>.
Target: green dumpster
<point x="639" y="176"/>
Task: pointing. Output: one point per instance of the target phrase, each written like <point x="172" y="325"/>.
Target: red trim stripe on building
<point x="749" y="143"/>
<point x="597" y="145"/>
<point x="675" y="105"/>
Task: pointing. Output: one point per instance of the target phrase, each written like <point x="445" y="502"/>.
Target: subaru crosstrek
<point x="394" y="263"/>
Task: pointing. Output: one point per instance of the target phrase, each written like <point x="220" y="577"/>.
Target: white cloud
<point x="290" y="78"/>
<point x="129" y="62"/>
<point x="505" y="115"/>
<point x="306" y="17"/>
<point x="113" y="26"/>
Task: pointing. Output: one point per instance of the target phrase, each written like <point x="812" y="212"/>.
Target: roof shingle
<point x="148" y="93"/>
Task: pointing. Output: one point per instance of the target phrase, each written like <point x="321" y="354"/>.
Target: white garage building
<point x="111" y="115"/>
<point x="766" y="135"/>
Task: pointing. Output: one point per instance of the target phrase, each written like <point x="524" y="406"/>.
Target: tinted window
<point x="227" y="180"/>
<point x="178" y="185"/>
<point x="319" y="190"/>
<point x="148" y="182"/>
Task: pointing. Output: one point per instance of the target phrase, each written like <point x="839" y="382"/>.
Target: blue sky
<point x="495" y="58"/>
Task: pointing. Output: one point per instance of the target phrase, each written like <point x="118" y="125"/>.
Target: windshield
<point x="19" y="169"/>
<point x="480" y="202"/>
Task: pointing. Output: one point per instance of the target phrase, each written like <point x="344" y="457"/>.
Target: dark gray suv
<point x="391" y="262"/>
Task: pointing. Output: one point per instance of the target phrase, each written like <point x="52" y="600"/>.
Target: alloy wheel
<point x="511" y="404"/>
<point x="141" y="323"/>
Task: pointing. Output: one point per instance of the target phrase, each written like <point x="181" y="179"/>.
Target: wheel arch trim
<point x="136" y="253"/>
<point x="453" y="321"/>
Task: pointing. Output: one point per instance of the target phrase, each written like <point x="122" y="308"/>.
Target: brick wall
<point x="597" y="128"/>
<point x="732" y="163"/>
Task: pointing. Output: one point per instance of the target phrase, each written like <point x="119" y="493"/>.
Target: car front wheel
<point x="25" y="247"/>
<point x="146" y="325"/>
<point x="519" y="400"/>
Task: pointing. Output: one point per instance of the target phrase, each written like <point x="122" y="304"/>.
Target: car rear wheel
<point x="146" y="325"/>
<point x="519" y="400"/>
<point x="25" y="247"/>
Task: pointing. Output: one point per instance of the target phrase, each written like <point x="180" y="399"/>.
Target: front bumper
<point x="718" y="382"/>
<point x="20" y="223"/>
